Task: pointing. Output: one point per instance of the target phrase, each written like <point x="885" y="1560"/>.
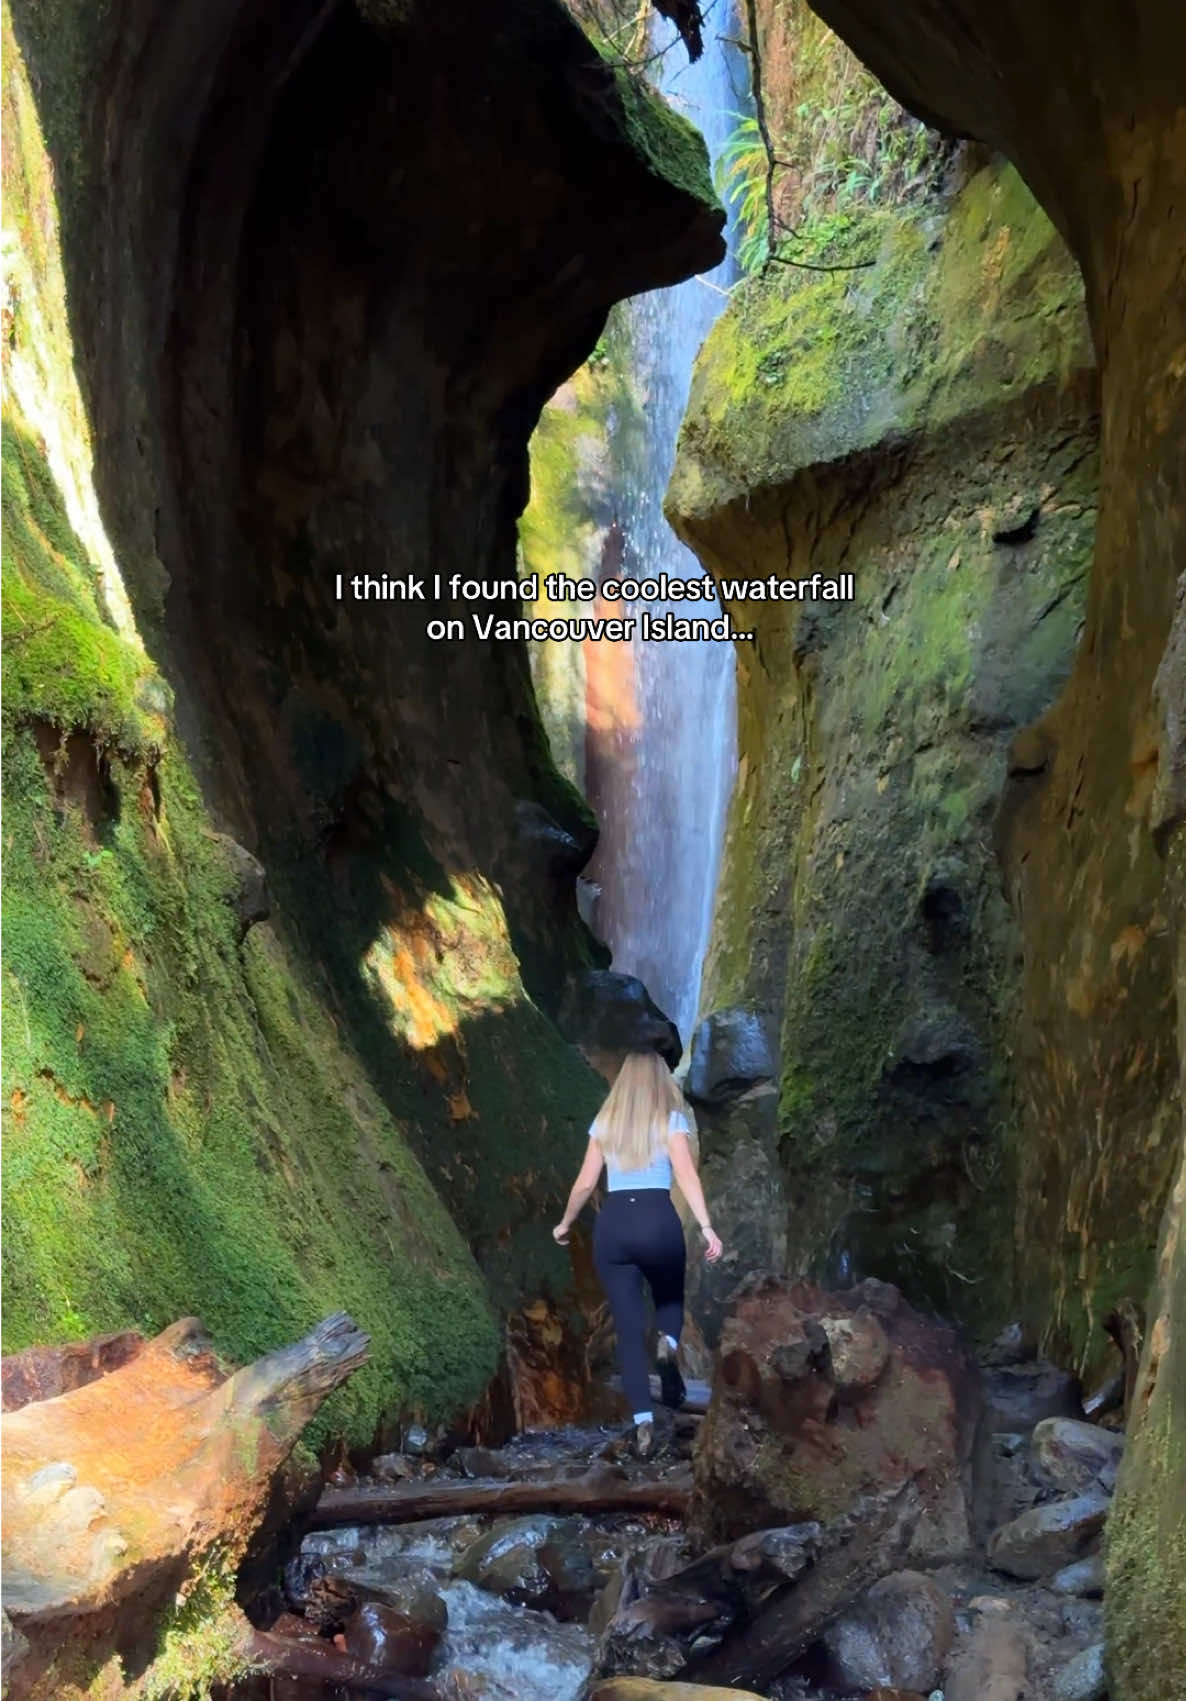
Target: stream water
<point x="661" y="787"/>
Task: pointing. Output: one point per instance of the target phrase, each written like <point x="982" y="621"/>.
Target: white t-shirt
<point x="656" y="1174"/>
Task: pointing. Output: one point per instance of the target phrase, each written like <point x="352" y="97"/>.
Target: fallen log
<point x="599" y="1491"/>
<point x="279" y="1656"/>
<point x="115" y="1490"/>
<point x="869" y="1542"/>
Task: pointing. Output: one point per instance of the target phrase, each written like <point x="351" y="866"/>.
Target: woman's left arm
<point x="582" y="1191"/>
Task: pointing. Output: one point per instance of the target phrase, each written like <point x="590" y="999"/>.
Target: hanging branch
<point x="774" y="225"/>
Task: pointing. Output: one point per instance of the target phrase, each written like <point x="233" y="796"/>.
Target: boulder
<point x="1082" y="1678"/>
<point x="1077" y="1457"/>
<point x="789" y="1437"/>
<point x="538" y="1562"/>
<point x="898" y="1636"/>
<point x="392" y="1640"/>
<point x="1018" y="1396"/>
<point x="608" y="1014"/>
<point x="731" y="1052"/>
<point x="93" y="1524"/>
<point x="1046" y="1538"/>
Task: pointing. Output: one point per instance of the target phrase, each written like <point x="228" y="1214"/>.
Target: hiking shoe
<point x="671" y="1383"/>
<point x="644" y="1440"/>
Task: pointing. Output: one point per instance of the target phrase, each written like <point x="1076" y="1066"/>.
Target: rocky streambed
<point x="865" y="1511"/>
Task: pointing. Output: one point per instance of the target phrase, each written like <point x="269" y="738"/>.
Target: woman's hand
<point x="712" y="1244"/>
<point x="562" y="1231"/>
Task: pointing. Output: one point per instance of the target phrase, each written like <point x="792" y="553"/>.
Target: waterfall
<point x="660" y="778"/>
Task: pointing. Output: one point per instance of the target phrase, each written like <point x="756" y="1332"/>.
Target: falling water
<point x="660" y="779"/>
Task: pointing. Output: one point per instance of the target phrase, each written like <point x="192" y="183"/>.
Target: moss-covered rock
<point x="927" y="424"/>
<point x="226" y="387"/>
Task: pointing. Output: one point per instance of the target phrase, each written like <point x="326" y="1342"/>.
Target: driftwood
<point x="281" y="1656"/>
<point x="727" y="1581"/>
<point x="114" y="1488"/>
<point x="598" y="1491"/>
<point x="869" y="1542"/>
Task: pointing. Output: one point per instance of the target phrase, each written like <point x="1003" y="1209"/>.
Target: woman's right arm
<point x="684" y="1169"/>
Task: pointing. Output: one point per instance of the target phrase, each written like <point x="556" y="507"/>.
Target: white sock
<point x="644" y="1417"/>
<point x="672" y="1342"/>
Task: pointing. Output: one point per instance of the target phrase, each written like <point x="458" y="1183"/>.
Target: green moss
<point x="184" y="1130"/>
<point x="671" y="145"/>
<point x="61" y="663"/>
<point x="939" y="320"/>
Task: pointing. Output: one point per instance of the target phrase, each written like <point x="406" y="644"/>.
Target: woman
<point x="641" y="1135"/>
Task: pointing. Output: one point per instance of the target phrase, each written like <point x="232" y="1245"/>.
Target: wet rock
<point x="1077" y="1457"/>
<point x="1083" y="1577"/>
<point x="783" y="1442"/>
<point x="42" y="1373"/>
<point x="535" y="1562"/>
<point x="1018" y="1396"/>
<point x="1083" y="1678"/>
<point x="898" y="1635"/>
<point x="607" y="1014"/>
<point x="494" y="1650"/>
<point x="409" y="1589"/>
<point x="731" y="1052"/>
<point x="392" y="1640"/>
<point x="1046" y="1538"/>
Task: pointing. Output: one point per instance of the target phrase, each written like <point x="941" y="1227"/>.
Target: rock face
<point x="226" y="388"/>
<point x="116" y="1489"/>
<point x="789" y="1436"/>
<point x="922" y="425"/>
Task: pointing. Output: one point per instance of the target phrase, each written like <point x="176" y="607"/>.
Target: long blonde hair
<point x="631" y="1125"/>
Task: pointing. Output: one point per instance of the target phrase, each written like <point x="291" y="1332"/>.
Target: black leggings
<point x="639" y="1235"/>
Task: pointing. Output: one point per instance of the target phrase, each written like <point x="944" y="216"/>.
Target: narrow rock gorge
<point x="333" y="329"/>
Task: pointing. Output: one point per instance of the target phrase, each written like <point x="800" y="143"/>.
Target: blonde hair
<point x="631" y="1125"/>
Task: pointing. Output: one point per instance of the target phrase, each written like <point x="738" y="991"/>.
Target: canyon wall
<point x="290" y="885"/>
<point x="1016" y="1059"/>
<point x="926" y="422"/>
